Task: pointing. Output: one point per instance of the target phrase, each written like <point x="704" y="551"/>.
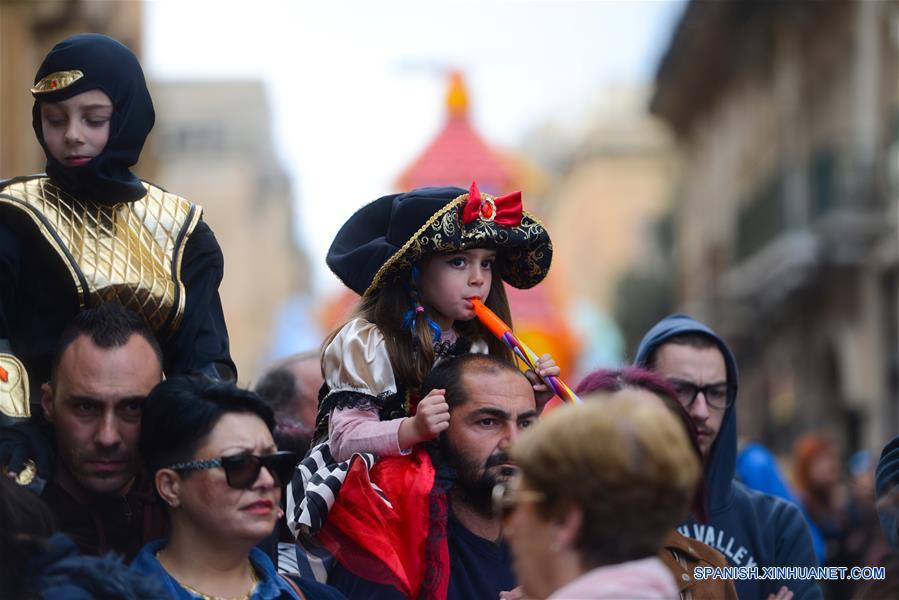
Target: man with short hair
<point x="291" y="388"/>
<point x="430" y="529"/>
<point x="107" y="361"/>
<point x="750" y="528"/>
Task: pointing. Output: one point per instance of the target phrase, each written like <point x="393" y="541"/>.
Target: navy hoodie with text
<point x="751" y="528"/>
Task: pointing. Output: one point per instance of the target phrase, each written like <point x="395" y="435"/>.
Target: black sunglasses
<point x="242" y="470"/>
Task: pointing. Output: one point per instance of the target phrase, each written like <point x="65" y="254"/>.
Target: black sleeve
<point x="353" y="586"/>
<point x="200" y="343"/>
<point x="9" y="269"/>
<point x="313" y="590"/>
<point x="38" y="297"/>
<point x="10" y="258"/>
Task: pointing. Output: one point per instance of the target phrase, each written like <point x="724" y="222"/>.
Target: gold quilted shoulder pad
<point x="13" y="387"/>
<point x="129" y="253"/>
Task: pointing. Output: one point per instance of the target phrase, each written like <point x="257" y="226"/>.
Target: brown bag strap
<point x="293" y="584"/>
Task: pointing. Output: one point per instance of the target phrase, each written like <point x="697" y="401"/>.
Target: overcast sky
<point x="357" y="87"/>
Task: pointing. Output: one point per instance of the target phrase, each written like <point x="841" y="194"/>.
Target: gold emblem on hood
<point x="56" y="81"/>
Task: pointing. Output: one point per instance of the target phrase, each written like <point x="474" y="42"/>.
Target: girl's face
<point x="77" y="129"/>
<point x="449" y="281"/>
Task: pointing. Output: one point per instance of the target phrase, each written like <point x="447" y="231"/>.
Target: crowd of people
<point x="412" y="457"/>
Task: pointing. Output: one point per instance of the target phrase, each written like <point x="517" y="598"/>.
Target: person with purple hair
<point x="679" y="553"/>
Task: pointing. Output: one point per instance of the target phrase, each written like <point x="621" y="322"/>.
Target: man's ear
<point x="168" y="484"/>
<point x="47" y="401"/>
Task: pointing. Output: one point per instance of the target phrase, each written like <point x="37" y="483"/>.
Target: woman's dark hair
<point x="180" y="413"/>
<point x="25" y="524"/>
<point x="635" y="378"/>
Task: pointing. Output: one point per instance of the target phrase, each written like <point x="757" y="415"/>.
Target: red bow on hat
<point x="504" y="210"/>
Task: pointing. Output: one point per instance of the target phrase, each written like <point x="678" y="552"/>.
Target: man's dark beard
<point x="474" y="482"/>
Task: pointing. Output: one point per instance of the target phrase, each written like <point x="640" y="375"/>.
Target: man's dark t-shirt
<point x="479" y="568"/>
<point x="119" y="523"/>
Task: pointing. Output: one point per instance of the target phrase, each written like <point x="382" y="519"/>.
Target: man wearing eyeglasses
<point x="750" y="528"/>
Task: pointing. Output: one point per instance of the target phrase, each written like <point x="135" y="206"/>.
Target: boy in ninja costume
<point x="89" y="231"/>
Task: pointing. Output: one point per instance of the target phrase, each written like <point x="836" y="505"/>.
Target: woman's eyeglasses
<point x="507" y="496"/>
<point x="242" y="470"/>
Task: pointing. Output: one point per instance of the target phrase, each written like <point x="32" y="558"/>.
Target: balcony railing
<point x="762" y="219"/>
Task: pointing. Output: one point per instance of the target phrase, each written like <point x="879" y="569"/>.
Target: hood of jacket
<point x="720" y="466"/>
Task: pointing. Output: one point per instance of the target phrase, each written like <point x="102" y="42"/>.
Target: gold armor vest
<point x="129" y="253"/>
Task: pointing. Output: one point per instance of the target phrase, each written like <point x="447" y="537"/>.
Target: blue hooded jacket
<point x="885" y="483"/>
<point x="750" y="528"/>
<point x="59" y="572"/>
<point x="757" y="468"/>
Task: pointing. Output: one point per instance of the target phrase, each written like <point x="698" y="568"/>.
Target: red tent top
<point x="458" y="155"/>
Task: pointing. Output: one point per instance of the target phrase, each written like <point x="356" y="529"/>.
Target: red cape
<point x="400" y="541"/>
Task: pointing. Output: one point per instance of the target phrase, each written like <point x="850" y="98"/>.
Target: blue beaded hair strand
<point x="411" y="315"/>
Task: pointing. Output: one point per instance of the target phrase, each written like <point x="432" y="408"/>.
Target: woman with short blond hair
<point x="599" y="487"/>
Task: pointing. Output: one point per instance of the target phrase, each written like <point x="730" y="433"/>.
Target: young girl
<point x="417" y="260"/>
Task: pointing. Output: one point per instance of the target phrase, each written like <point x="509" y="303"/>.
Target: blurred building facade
<point x="611" y="173"/>
<point x="611" y="189"/>
<point x="786" y="220"/>
<point x="213" y="145"/>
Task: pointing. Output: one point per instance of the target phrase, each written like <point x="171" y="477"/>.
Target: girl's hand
<point x="431" y="417"/>
<point x="545" y="367"/>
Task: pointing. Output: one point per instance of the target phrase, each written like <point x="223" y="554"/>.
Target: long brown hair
<point x="411" y="353"/>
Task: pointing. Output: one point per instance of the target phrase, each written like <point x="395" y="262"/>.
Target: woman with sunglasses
<point x="208" y="445"/>
<point x="599" y="485"/>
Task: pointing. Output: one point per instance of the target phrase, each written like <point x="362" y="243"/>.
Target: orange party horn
<point x="503" y="332"/>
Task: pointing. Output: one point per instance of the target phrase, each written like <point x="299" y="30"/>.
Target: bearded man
<point x="432" y="508"/>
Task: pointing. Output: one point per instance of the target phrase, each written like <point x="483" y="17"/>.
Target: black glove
<point x="27" y="440"/>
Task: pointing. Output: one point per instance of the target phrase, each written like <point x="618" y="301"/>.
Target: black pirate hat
<point x="383" y="239"/>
